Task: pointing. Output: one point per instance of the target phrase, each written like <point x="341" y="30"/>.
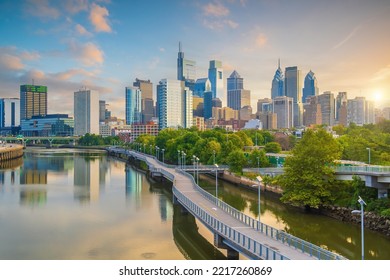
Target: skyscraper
<point x="310" y="86"/>
<point x="186" y="69"/>
<point x="341" y="100"/>
<point x="147" y="103"/>
<point x="216" y="78"/>
<point x="174" y="104"/>
<point x="208" y="104"/>
<point x="133" y="105"/>
<point x="86" y="112"/>
<point x="102" y="110"/>
<point x="283" y="106"/>
<point x="277" y="88"/>
<point x="326" y="100"/>
<point x="237" y="96"/>
<point x="201" y="86"/>
<point x="9" y="112"/>
<point x="293" y="89"/>
<point x="33" y="101"/>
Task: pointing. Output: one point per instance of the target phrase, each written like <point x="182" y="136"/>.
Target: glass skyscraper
<point x="86" y="112"/>
<point x="293" y="89"/>
<point x="133" y="105"/>
<point x="186" y="69"/>
<point x="237" y="96"/>
<point x="310" y="86"/>
<point x="277" y="88"/>
<point x="216" y="78"/>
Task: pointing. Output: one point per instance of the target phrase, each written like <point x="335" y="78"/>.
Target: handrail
<point x="279" y="235"/>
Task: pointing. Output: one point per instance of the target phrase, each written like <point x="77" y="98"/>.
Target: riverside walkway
<point x="10" y="151"/>
<point x="233" y="230"/>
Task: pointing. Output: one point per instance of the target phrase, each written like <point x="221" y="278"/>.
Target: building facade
<point x="283" y="107"/>
<point x="147" y="101"/>
<point x="310" y="86"/>
<point x="327" y="102"/>
<point x="9" y="112"/>
<point x="277" y="88"/>
<point x="133" y="105"/>
<point x="216" y="78"/>
<point x="86" y="112"/>
<point x="33" y="101"/>
<point x="237" y="96"/>
<point x="49" y="125"/>
<point x="293" y="89"/>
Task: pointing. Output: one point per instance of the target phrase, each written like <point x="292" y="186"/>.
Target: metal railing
<point x="279" y="235"/>
<point x="364" y="169"/>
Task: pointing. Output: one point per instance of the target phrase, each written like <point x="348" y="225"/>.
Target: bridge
<point x="374" y="176"/>
<point x="232" y="229"/>
<point x="49" y="139"/>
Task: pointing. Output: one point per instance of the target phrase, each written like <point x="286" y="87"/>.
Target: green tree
<point x="309" y="176"/>
<point x="260" y="154"/>
<point x="237" y="161"/>
<point x="273" y="147"/>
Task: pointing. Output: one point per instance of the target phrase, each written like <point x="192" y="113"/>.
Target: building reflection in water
<point x="86" y="178"/>
<point x="133" y="186"/>
<point x="33" y="197"/>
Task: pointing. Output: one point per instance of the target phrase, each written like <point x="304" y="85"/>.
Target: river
<point x="73" y="204"/>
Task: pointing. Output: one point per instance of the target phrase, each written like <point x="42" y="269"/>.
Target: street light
<point x="197" y="170"/>
<point x="369" y="155"/>
<point x="194" y="166"/>
<point x="361" y="212"/>
<point x="258" y="164"/>
<point x="259" y="179"/>
<point x="144" y="148"/>
<point x="216" y="182"/>
<point x="157" y="148"/>
<point x="213" y="157"/>
<point x="150" y="149"/>
<point x="178" y="158"/>
<point x="163" y="150"/>
<point x="184" y="159"/>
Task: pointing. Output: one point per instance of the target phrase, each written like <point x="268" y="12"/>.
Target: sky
<point x="105" y="45"/>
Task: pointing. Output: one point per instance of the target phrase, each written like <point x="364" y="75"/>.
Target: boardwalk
<point x="232" y="229"/>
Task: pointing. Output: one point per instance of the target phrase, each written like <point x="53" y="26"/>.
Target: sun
<point x="378" y="96"/>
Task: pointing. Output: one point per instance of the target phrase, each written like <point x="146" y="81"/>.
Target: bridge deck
<point x="233" y="225"/>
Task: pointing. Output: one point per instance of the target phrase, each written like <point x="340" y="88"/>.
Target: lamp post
<point x="150" y="149"/>
<point x="163" y="150"/>
<point x="216" y="182"/>
<point x="369" y="155"/>
<point x="197" y="170"/>
<point x="259" y="179"/>
<point x="144" y="148"/>
<point x="184" y="159"/>
<point x="213" y="156"/>
<point x="178" y="158"/>
<point x="157" y="149"/>
<point x="361" y="212"/>
<point x="194" y="166"/>
<point x="258" y="164"/>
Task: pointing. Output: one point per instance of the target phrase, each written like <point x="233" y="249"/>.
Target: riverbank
<point x="10" y="151"/>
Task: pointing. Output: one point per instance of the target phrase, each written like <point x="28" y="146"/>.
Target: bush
<point x="385" y="213"/>
<point x="379" y="205"/>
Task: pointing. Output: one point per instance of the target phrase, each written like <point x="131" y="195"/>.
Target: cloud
<point x="382" y="74"/>
<point x="153" y="63"/>
<point x="11" y="62"/>
<point x="82" y="31"/>
<point x="261" y="40"/>
<point x="30" y="55"/>
<point x="75" y="6"/>
<point x="89" y="54"/>
<point x="218" y="24"/>
<point x="215" y="10"/>
<point x="41" y="9"/>
<point x="98" y="18"/>
<point x="71" y="73"/>
<point x="161" y="49"/>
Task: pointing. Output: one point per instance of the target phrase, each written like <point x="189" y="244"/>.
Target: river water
<point x="72" y="204"/>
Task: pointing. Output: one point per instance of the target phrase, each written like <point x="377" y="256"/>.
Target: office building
<point x="312" y="114"/>
<point x="216" y="78"/>
<point x="147" y="102"/>
<point x="277" y="88"/>
<point x="268" y="119"/>
<point x="216" y="102"/>
<point x="133" y="105"/>
<point x="264" y="105"/>
<point x="198" y="106"/>
<point x="86" y="112"/>
<point x="9" y="113"/>
<point x="341" y="104"/>
<point x="174" y="104"/>
<point x="283" y="107"/>
<point x="49" y="125"/>
<point x="208" y="104"/>
<point x="310" y="86"/>
<point x="102" y="110"/>
<point x="186" y="69"/>
<point x="293" y="89"/>
<point x="237" y="96"/>
<point x="356" y="111"/>
<point x="33" y="101"/>
<point x="201" y="86"/>
<point x="326" y="100"/>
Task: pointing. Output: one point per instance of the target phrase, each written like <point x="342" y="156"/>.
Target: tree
<point x="273" y="147"/>
<point x="237" y="161"/>
<point x="309" y="176"/>
<point x="260" y="154"/>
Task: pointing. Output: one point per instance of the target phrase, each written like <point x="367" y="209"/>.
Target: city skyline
<point x="106" y="45"/>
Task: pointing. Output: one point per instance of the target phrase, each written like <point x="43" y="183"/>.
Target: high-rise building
<point x="326" y="100"/>
<point x="264" y="105"/>
<point x="174" y="104"/>
<point x="147" y="103"/>
<point x="370" y="112"/>
<point x="33" y="101"/>
<point x="269" y="120"/>
<point x="201" y="86"/>
<point x="133" y="105"/>
<point x="310" y="86"/>
<point x="186" y="69"/>
<point x="237" y="96"/>
<point x="356" y="111"/>
<point x="208" y="105"/>
<point x="283" y="106"/>
<point x="277" y="88"/>
<point x="102" y="110"/>
<point x="312" y="114"/>
<point x="86" y="112"/>
<point x="216" y="102"/>
<point x="341" y="100"/>
<point x="197" y="106"/>
<point x="216" y="78"/>
<point x="293" y="89"/>
<point x="9" y="112"/>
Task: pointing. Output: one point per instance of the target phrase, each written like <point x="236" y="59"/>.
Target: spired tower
<point x="310" y="86"/>
<point x="277" y="83"/>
